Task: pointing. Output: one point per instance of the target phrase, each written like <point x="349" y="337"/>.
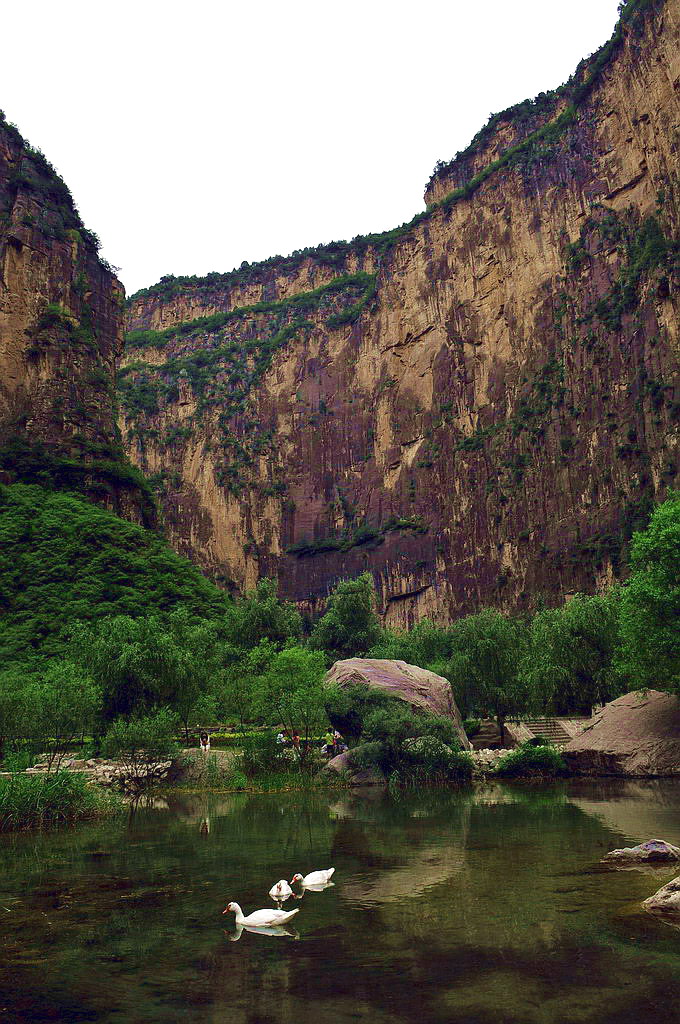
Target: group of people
<point x="333" y="742"/>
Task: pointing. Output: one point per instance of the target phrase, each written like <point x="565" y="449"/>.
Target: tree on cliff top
<point x="350" y="627"/>
<point x="649" y="654"/>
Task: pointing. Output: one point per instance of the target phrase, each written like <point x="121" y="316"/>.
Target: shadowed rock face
<point x="423" y="690"/>
<point x="485" y="425"/>
<point x="61" y="333"/>
<point x="637" y="734"/>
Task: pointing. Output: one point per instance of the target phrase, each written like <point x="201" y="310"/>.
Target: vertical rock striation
<point x="478" y="406"/>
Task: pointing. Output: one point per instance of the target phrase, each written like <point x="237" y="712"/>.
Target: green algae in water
<point x="484" y="905"/>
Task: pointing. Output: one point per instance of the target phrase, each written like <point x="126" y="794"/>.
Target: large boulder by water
<point x="636" y="735"/>
<point x="654" y="851"/>
<point x="423" y="690"/>
<point x="357" y="776"/>
<point x="666" y="900"/>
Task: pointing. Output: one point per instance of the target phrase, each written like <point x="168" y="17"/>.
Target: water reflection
<point x="280" y="930"/>
<point x="449" y="905"/>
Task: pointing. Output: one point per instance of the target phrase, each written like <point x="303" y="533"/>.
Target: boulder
<point x="654" y="851"/>
<point x="423" y="690"/>
<point x="635" y="735"/>
<point x="666" y="900"/>
<point x="357" y="776"/>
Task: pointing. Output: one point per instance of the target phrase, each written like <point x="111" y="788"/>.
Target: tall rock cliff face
<point x="478" y="406"/>
<point x="61" y="333"/>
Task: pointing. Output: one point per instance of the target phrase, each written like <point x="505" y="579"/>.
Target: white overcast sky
<point x="196" y="135"/>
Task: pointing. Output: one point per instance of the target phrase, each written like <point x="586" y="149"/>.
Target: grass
<point x="29" y="801"/>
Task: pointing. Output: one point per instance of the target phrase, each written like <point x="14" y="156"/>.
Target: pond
<point x="467" y="905"/>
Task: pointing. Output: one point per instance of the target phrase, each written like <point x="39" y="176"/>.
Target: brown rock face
<point x="423" y="690"/>
<point x="61" y="332"/>
<point x="637" y="734"/>
<point x="478" y="408"/>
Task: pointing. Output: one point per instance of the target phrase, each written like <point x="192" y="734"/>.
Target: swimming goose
<point x="314" y="878"/>
<point x="260" y="918"/>
<point x="281" y="891"/>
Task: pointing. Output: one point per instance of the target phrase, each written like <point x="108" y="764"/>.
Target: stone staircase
<point x="550" y="729"/>
<point x="488" y="737"/>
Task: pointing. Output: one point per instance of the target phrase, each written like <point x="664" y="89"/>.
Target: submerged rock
<point x="423" y="690"/>
<point x="666" y="900"/>
<point x="636" y="735"/>
<point x="655" y="851"/>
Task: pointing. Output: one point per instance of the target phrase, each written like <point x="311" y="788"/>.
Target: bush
<point x="30" y="800"/>
<point x="263" y="754"/>
<point x="528" y="760"/>
<point x="138" y="743"/>
<point x="472" y="726"/>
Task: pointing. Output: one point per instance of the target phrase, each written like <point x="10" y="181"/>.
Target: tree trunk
<point x="501" y="727"/>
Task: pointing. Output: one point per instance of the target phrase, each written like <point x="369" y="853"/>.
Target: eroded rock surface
<point x="636" y="735"/>
<point x="485" y="416"/>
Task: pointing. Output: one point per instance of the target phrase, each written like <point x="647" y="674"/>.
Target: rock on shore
<point x="654" y="851"/>
<point x="666" y="900"/>
<point x="423" y="690"/>
<point x="636" y="735"/>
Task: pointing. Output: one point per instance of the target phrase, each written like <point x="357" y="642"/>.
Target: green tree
<point x="350" y="626"/>
<point x="291" y="692"/>
<point x="485" y="668"/>
<point x="13" y="712"/>
<point x="649" y="653"/>
<point x="146" y="663"/>
<point x="62" y="703"/>
<point x="426" y="645"/>
<point x="569" y="662"/>
<point x="260" y="615"/>
<point x="141" y="742"/>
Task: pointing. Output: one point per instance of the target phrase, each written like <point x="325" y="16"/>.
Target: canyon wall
<point x="61" y="334"/>
<point x="477" y="407"/>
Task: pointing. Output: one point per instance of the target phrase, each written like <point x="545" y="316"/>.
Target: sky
<point x="194" y="136"/>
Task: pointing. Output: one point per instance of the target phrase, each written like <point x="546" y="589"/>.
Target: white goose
<point x="314" y="878"/>
<point x="260" y="918"/>
<point x="281" y="891"/>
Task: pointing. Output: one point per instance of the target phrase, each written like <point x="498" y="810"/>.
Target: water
<point x="482" y="905"/>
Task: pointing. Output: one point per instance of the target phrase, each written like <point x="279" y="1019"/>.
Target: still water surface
<point x="470" y="906"/>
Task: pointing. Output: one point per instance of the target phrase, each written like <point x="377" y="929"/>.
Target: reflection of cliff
<point x="476" y="408"/>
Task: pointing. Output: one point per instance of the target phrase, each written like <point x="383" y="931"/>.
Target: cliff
<point x="477" y="406"/>
<point x="61" y="333"/>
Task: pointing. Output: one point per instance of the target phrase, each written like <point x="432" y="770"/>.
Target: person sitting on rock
<point x="205" y="742"/>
